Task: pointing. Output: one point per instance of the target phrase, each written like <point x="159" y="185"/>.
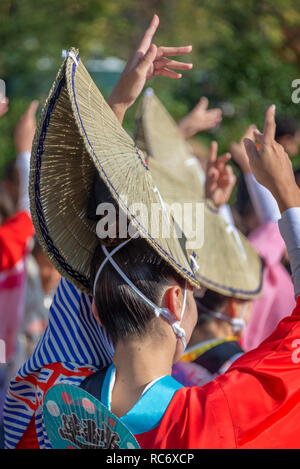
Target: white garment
<point x="23" y="165"/>
<point x="263" y="201"/>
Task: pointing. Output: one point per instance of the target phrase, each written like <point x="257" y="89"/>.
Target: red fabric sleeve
<point x="262" y="390"/>
<point x="256" y="404"/>
<point x="14" y="236"/>
<point x="29" y="439"/>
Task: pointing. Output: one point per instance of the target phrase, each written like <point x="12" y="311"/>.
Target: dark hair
<point x="211" y="301"/>
<point x="10" y="171"/>
<point x="285" y="126"/>
<point x="121" y="311"/>
<point x="243" y="202"/>
<point x="297" y="176"/>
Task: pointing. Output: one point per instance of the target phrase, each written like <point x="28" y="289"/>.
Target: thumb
<point x="213" y="153"/>
<point x="202" y="104"/>
<point x="251" y="149"/>
<point x="32" y="108"/>
<point x="149" y="57"/>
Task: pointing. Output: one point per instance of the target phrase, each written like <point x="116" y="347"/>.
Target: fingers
<point x="270" y="126"/>
<point x="4" y="106"/>
<point x="258" y="136"/>
<point x="148" y="35"/>
<point x="213" y="116"/>
<point x="202" y="104"/>
<point x="250" y="132"/>
<point x="171" y="51"/>
<point x="227" y="178"/>
<point x="230" y="174"/>
<point x="32" y="108"/>
<point x="148" y="58"/>
<point x="222" y="160"/>
<point x="168" y="63"/>
<point x="213" y="153"/>
<point x="165" y="72"/>
<point x="251" y="149"/>
<point x="212" y="174"/>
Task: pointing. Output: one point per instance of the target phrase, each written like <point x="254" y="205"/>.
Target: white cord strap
<point x="232" y="229"/>
<point x="108" y="256"/>
<point x="238" y="324"/>
<point x="162" y="203"/>
<point x="165" y="312"/>
<point x="194" y="262"/>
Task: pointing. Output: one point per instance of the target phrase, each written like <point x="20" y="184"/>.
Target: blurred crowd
<point x="28" y="280"/>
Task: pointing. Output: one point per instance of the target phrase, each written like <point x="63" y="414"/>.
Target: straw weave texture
<point x="158" y="135"/>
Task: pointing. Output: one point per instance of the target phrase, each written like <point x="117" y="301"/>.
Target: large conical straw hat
<point x="224" y="260"/>
<point x="158" y="135"/>
<point x="77" y="137"/>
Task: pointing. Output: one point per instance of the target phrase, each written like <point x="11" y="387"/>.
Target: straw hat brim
<point x="78" y="135"/>
<point x="225" y="262"/>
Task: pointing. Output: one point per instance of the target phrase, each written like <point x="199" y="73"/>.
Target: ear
<point x="233" y="307"/>
<point x="95" y="312"/>
<point x="173" y="299"/>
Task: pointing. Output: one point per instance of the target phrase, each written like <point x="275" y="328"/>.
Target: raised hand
<point x="147" y="61"/>
<point x="199" y="119"/>
<point x="25" y="129"/>
<point x="271" y="165"/>
<point x="220" y="178"/>
<point x="238" y="152"/>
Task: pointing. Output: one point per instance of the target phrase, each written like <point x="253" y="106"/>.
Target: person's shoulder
<point x="198" y="410"/>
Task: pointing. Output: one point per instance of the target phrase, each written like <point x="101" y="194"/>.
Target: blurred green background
<point x="246" y="53"/>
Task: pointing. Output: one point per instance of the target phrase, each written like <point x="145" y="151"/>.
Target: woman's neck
<point x="137" y="364"/>
<point x="212" y="330"/>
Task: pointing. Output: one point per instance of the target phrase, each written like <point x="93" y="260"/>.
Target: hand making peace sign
<point x="220" y="178"/>
<point x="147" y="61"/>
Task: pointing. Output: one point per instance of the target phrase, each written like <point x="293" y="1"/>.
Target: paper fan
<point x="74" y="419"/>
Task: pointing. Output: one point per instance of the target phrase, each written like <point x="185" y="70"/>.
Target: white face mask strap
<point x="238" y="324"/>
<point x="178" y="330"/>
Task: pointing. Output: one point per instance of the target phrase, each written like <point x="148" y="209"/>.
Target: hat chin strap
<point x="238" y="324"/>
<point x="158" y="311"/>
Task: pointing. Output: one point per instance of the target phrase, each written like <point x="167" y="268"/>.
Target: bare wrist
<point x="119" y="110"/>
<point x="287" y="197"/>
<point x="185" y="129"/>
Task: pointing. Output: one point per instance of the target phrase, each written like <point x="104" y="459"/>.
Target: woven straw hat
<point x="157" y="135"/>
<point x="225" y="262"/>
<point x="77" y="137"/>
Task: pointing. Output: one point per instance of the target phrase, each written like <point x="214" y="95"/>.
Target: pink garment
<point x="278" y="291"/>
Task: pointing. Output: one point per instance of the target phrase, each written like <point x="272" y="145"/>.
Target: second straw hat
<point x="157" y="134"/>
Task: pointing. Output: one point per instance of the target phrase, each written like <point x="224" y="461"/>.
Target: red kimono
<point x="256" y="404"/>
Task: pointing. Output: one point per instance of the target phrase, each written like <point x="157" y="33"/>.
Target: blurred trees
<point x="245" y="53"/>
